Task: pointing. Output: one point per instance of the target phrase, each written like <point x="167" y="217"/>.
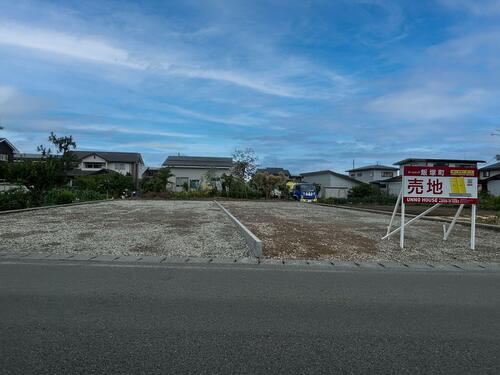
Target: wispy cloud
<point x="100" y="128"/>
<point x="98" y="50"/>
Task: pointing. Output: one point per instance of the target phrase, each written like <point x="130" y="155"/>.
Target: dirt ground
<point x="305" y="231"/>
<point x="171" y="228"/>
<point x="483" y="216"/>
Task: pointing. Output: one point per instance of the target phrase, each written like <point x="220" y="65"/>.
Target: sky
<point x="308" y="85"/>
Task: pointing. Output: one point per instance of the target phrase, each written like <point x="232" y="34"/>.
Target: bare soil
<point x="483" y="216"/>
<point x="305" y="231"/>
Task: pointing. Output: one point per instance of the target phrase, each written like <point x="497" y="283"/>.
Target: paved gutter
<point x="303" y="264"/>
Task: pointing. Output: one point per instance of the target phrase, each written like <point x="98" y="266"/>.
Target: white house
<point x="489" y="177"/>
<point x="196" y="171"/>
<point x="371" y="173"/>
<point x="126" y="163"/>
<point x="333" y="184"/>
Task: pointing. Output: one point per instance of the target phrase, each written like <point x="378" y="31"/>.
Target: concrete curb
<point x="53" y="206"/>
<point x="251" y="239"/>
<point x="303" y="264"/>
<point x="461" y="222"/>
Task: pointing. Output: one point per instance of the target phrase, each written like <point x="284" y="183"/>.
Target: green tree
<point x="157" y="183"/>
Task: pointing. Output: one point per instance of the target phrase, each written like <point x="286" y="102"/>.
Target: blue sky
<point x="307" y="84"/>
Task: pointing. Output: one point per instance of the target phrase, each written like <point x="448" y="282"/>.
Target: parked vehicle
<point x="303" y="192"/>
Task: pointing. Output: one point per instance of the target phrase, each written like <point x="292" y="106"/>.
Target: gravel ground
<point x="305" y="231"/>
<point x="172" y="228"/>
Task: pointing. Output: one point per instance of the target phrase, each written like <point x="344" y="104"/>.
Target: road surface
<point x="101" y="318"/>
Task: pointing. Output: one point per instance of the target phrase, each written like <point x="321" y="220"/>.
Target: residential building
<point x="126" y="163"/>
<point x="333" y="184"/>
<point x="390" y="186"/>
<point x="194" y="172"/>
<point x="489" y="178"/>
<point x="275" y="171"/>
<point x="7" y="150"/>
<point x="372" y="173"/>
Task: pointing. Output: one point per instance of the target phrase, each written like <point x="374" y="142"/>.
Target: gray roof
<point x="112" y="157"/>
<point x="392" y="179"/>
<point x="327" y="171"/>
<point x="373" y="167"/>
<point x="491" y="167"/>
<point x="7" y="142"/>
<point x="198" y="162"/>
<point x="274" y="171"/>
<point x="417" y="160"/>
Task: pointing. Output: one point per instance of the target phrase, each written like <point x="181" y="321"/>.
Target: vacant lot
<point x="172" y="228"/>
<point x="294" y="230"/>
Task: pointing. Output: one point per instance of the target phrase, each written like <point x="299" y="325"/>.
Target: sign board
<point x="444" y="185"/>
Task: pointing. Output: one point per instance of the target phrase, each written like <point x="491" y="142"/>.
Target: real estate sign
<point x="445" y="185"/>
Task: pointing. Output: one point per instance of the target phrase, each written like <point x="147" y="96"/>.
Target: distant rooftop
<point x="6" y="141"/>
<point x="491" y="167"/>
<point x="198" y="162"/>
<point x="327" y="171"/>
<point x="454" y="161"/>
<point x="378" y="167"/>
<point x="112" y="157"/>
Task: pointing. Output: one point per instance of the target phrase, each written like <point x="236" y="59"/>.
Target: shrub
<point x="88" y="195"/>
<point x="15" y="199"/>
<point x="109" y="184"/>
<point x="59" y="196"/>
<point x="489" y="202"/>
<point x="361" y="191"/>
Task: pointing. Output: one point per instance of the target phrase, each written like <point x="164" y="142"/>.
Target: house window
<point x="353" y="174"/>
<point x="120" y="166"/>
<point x="194" y="184"/>
<point x="486" y="174"/>
<point x="4" y="157"/>
<point x="93" y="165"/>
<point x="181" y="181"/>
<point x="360" y="174"/>
<point x="387" y="174"/>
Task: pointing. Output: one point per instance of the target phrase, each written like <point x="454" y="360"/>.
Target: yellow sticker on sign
<point x="458" y="185"/>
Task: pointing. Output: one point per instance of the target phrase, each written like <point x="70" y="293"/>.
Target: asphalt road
<point x="104" y="319"/>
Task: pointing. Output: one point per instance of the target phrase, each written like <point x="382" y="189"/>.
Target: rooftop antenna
<point x="352" y="163"/>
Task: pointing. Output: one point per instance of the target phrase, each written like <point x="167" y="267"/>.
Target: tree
<point x="49" y="172"/>
<point x="157" y="183"/>
<point x="245" y="163"/>
<point x="267" y="183"/>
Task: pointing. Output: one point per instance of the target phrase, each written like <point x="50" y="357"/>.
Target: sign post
<point x="437" y="185"/>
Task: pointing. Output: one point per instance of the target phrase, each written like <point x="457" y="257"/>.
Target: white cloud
<point x="428" y="104"/>
<point x="169" y="63"/>
<point x="74" y="46"/>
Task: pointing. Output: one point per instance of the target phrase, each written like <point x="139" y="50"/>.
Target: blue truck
<point x="304" y="192"/>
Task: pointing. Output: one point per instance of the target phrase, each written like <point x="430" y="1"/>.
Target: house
<point x="489" y="178"/>
<point x="126" y="163"/>
<point x="333" y="184"/>
<point x="371" y="173"/>
<point x="194" y="172"/>
<point x="7" y="150"/>
<point x="389" y="186"/>
<point x="275" y="171"/>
